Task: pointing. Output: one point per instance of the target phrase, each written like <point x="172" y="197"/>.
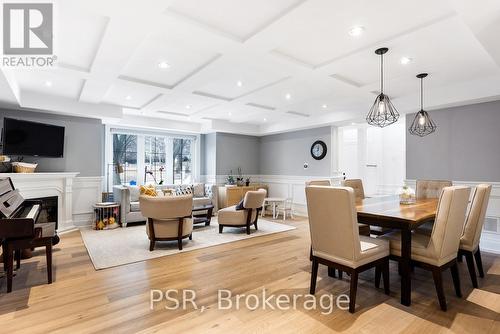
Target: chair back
<point x="357" y="186"/>
<point x="333" y="222"/>
<point x="475" y="217"/>
<point x="318" y="183"/>
<point x="254" y="199"/>
<point x="430" y="188"/>
<point x="166" y="207"/>
<point x="449" y="222"/>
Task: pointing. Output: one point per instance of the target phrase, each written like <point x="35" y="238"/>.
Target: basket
<point x="22" y="167"/>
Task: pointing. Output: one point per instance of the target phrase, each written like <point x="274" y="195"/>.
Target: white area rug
<point x="111" y="248"/>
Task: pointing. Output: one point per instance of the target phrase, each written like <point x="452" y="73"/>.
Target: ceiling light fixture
<point x="324" y="106"/>
<point x="48" y="83"/>
<point x="382" y="112"/>
<point x="356" y="31"/>
<point x="128" y="97"/>
<point x="422" y="124"/>
<point x="239" y="83"/>
<point x="230" y="114"/>
<point x="188" y="106"/>
<point x="265" y="119"/>
<point x="405" y="60"/>
<point x="163" y="65"/>
<point x="288" y="96"/>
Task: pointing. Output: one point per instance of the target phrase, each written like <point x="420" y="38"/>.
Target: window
<point x="124" y="158"/>
<point x="133" y="157"/>
<point x="154" y="160"/>
<point x="182" y="161"/>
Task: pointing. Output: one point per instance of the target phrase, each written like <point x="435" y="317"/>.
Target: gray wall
<point x="83" y="144"/>
<point x="208" y="157"/>
<point x="465" y="146"/>
<point x="285" y="154"/>
<point x="235" y="151"/>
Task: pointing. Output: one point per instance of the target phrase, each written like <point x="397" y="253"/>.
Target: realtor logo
<point x="27" y="28"/>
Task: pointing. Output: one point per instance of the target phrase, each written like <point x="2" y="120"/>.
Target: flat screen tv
<point x="32" y="139"/>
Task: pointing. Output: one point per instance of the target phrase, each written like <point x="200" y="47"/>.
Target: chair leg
<point x="331" y="272"/>
<point x="352" y="291"/>
<point x="220" y="228"/>
<point x="248" y="229"/>
<point x="340" y="274"/>
<point x="179" y="243"/>
<point x="456" y="280"/>
<point x="48" y="255"/>
<point x="460" y="257"/>
<point x="255" y="225"/>
<point x="472" y="270"/>
<point x="191" y="236"/>
<point x="378" y="275"/>
<point x="314" y="275"/>
<point x="151" y="245"/>
<point x="438" y="282"/>
<point x="385" y="274"/>
<point x="479" y="262"/>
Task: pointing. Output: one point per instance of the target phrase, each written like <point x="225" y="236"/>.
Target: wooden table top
<point x="389" y="208"/>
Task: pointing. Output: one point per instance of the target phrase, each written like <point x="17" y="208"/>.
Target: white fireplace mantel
<point x="35" y="185"/>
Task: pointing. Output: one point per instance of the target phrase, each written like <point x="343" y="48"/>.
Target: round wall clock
<point x="318" y="150"/>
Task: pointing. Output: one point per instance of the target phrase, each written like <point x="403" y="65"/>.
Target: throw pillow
<point x="148" y="191"/>
<point x="198" y="190"/>
<point x="184" y="190"/>
<point x="134" y="193"/>
<point x="240" y="206"/>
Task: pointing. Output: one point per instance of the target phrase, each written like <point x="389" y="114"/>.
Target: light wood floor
<point x="116" y="300"/>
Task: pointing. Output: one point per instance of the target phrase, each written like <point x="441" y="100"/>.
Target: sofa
<point x="128" y="197"/>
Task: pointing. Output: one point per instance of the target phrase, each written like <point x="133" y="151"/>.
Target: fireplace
<point x="49" y="211"/>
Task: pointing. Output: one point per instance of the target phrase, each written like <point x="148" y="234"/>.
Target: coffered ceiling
<point x="259" y="66"/>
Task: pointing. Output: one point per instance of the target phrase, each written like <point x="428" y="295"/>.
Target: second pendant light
<point x="422" y="124"/>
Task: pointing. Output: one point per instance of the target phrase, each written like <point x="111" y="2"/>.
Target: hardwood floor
<point x="82" y="300"/>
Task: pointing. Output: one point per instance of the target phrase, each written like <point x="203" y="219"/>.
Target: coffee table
<point x="199" y="218"/>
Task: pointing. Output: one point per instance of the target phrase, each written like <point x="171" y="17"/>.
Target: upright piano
<point x="20" y="228"/>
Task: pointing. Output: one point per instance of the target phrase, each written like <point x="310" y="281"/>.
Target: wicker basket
<point x="22" y="167"/>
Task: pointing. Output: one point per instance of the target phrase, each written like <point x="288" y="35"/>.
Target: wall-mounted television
<point x="32" y="138"/>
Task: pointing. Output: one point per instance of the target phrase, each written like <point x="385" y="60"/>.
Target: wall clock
<point x="318" y="150"/>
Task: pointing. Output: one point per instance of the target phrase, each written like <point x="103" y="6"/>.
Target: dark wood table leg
<point x="405" y="266"/>
<point x="8" y="256"/>
<point x="209" y="216"/>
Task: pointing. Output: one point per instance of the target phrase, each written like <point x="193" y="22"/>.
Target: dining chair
<point x="285" y="208"/>
<point x="335" y="238"/>
<point x="438" y="251"/>
<point x="318" y="183"/>
<point x="357" y="186"/>
<point x="430" y="188"/>
<point x="427" y="189"/>
<point x="469" y="242"/>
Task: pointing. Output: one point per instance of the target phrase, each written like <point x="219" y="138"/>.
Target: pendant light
<point x="383" y="112"/>
<point x="422" y="124"/>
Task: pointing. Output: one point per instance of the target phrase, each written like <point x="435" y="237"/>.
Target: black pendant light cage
<point x="422" y="124"/>
<point x="382" y="112"/>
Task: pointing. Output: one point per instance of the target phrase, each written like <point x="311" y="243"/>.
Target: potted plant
<point x="247" y="181"/>
<point x="239" y="179"/>
<point x="230" y="178"/>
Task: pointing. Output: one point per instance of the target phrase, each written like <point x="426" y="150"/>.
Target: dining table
<point x="388" y="212"/>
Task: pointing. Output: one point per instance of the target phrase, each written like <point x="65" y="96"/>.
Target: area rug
<point x="111" y="248"/>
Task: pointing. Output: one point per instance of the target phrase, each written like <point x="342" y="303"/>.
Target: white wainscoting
<point x="490" y="238"/>
<point x="86" y="192"/>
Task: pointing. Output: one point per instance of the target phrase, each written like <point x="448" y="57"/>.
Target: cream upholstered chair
<point x="438" y="251"/>
<point x="357" y="186"/>
<point x="469" y="243"/>
<point x="335" y="239"/>
<point x="168" y="218"/>
<point x="252" y="204"/>
<point x="363" y="228"/>
<point x="430" y="188"/>
<point x="318" y="183"/>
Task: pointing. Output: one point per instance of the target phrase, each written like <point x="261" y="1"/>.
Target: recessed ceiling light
<point x="163" y="65"/>
<point x="230" y="114"/>
<point x="48" y="83"/>
<point x="288" y="96"/>
<point x="128" y="97"/>
<point x="189" y="118"/>
<point x="265" y="119"/>
<point x="239" y="83"/>
<point x="324" y="106"/>
<point x="356" y="31"/>
<point x="188" y="106"/>
<point x="405" y="60"/>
